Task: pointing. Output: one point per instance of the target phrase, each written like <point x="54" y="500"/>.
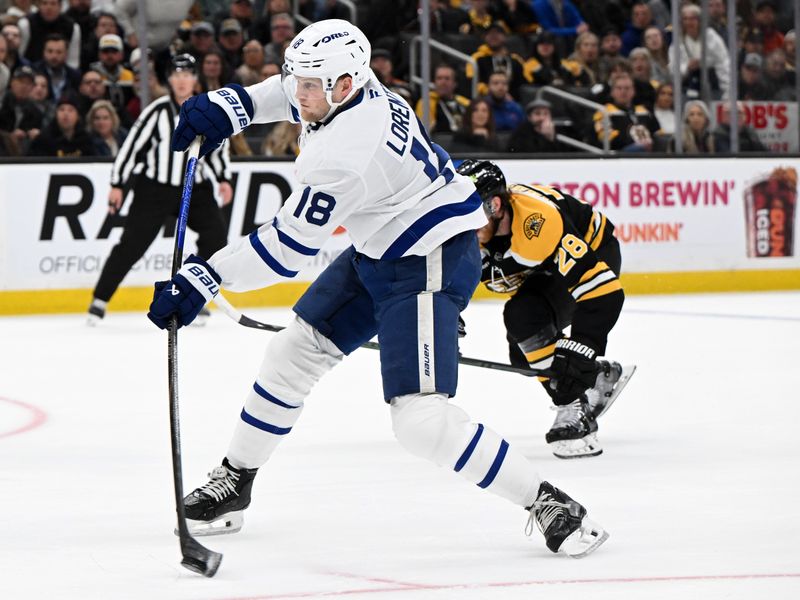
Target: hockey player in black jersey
<point x="558" y="258"/>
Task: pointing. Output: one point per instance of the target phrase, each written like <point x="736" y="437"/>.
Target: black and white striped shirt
<point x="146" y="151"/>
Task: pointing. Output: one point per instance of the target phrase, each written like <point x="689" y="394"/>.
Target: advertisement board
<point x="670" y="215"/>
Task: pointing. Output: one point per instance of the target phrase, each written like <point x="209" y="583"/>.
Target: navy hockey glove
<point x="192" y="287"/>
<point x="216" y="116"/>
<point x="574" y="370"/>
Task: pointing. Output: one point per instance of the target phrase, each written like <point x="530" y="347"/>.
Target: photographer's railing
<point x="567" y="97"/>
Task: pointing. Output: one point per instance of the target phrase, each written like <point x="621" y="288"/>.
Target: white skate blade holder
<point x="228" y="523"/>
<point x="581" y="448"/>
<point x="584" y="540"/>
<point x="605" y="403"/>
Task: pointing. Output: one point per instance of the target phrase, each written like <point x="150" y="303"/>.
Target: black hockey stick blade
<point x="198" y="558"/>
<point x="242" y="319"/>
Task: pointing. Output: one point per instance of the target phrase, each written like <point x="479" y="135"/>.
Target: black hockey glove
<point x="574" y="370"/>
<point x="193" y="286"/>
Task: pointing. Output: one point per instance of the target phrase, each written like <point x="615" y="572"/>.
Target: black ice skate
<point x="564" y="523"/>
<point x="611" y="380"/>
<point x="97" y="311"/>
<point x="574" y="432"/>
<point x="217" y="507"/>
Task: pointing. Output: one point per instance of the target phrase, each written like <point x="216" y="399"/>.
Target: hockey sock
<point x="427" y="425"/>
<point x="295" y="360"/>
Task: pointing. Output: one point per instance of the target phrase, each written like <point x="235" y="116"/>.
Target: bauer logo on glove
<point x="192" y="287"/>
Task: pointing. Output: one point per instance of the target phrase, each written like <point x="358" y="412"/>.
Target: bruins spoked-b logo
<point x="532" y="226"/>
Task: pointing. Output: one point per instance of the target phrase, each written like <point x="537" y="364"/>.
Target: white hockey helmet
<point x="327" y="50"/>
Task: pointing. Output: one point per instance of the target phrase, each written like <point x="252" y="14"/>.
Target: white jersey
<point x="370" y="168"/>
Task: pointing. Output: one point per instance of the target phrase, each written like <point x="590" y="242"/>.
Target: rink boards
<point x="685" y="225"/>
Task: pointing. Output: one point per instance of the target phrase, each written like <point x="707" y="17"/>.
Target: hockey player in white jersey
<point x="365" y="163"/>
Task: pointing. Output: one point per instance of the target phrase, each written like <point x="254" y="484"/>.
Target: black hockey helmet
<point x="488" y="179"/>
<point x="182" y="62"/>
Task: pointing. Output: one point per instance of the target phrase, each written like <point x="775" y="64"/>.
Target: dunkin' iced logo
<point x="769" y="213"/>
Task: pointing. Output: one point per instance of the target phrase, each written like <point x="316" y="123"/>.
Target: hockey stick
<point x="196" y="557"/>
<point x="242" y="319"/>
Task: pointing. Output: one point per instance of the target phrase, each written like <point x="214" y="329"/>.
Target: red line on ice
<point x="38" y="417"/>
<point x="400" y="586"/>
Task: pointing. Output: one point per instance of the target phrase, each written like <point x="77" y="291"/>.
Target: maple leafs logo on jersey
<point x="532" y="226"/>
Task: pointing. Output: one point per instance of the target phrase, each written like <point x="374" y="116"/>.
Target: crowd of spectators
<point x="70" y="69"/>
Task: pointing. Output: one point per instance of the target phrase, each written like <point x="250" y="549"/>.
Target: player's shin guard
<point x="295" y="360"/>
<point x="428" y="426"/>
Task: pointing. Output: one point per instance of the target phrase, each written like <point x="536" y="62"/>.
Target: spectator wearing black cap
<point x="147" y="162"/>
<point x="36" y="27"/>
<point x="751" y="86"/>
<point x="201" y="39"/>
<point x="641" y="19"/>
<point x="53" y="65"/>
<point x="118" y="78"/>
<point x="18" y="114"/>
<point x="231" y="40"/>
<point x="494" y="56"/>
<point x="447" y="107"/>
<point x="381" y="64"/>
<point x="65" y="136"/>
<point x="765" y="20"/>
<point x="752" y="43"/>
<point x="538" y="132"/>
<point x="546" y="67"/>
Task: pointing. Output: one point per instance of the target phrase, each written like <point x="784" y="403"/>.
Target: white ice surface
<point x="699" y="484"/>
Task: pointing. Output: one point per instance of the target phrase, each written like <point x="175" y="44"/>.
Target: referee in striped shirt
<point x="146" y="161"/>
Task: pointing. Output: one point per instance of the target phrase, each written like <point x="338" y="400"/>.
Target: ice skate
<point x="563" y="523"/>
<point x="611" y="380"/>
<point x="97" y="311"/>
<point x="574" y="432"/>
<point x="217" y="507"/>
